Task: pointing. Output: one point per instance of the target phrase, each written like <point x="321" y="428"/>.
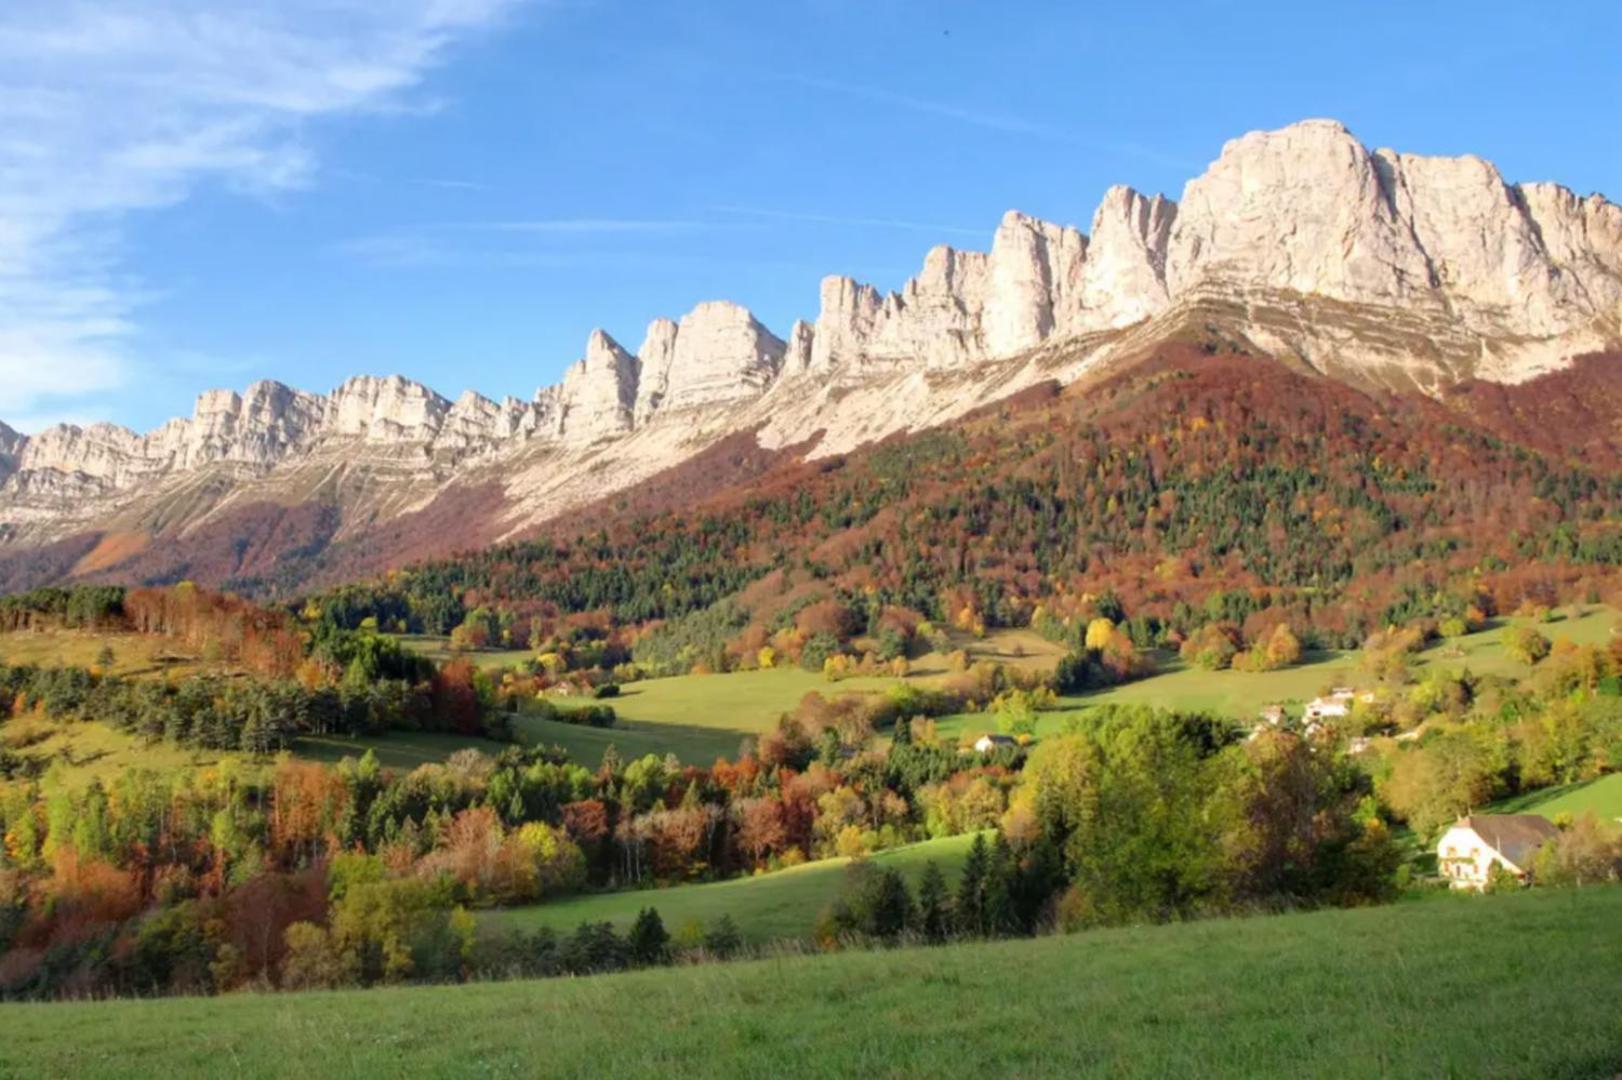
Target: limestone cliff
<point x="1370" y="265"/>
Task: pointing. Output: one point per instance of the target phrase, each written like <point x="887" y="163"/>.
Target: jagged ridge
<point x="1370" y="265"/>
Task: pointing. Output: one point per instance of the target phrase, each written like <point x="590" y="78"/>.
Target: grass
<point x="701" y="717"/>
<point x="92" y="751"/>
<point x="767" y="907"/>
<point x="135" y="655"/>
<point x="1601" y="797"/>
<point x="631" y="739"/>
<point x="403" y="750"/>
<point x="1502" y="986"/>
<point x="438" y="649"/>
<point x="1483" y="653"/>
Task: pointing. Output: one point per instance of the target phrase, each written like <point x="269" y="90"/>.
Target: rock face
<point x="1309" y="210"/>
<point x="1124" y="276"/>
<point x="11" y="446"/>
<point x="722" y="355"/>
<point x="598" y="394"/>
<point x="1367" y="264"/>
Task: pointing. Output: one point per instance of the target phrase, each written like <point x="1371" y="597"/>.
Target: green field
<point x="701" y="717"/>
<point x="437" y="648"/>
<point x="403" y="750"/>
<point x="1601" y="797"/>
<point x="693" y="745"/>
<point x="133" y="654"/>
<point x="767" y="907"/>
<point x="92" y="751"/>
<point x="698" y="717"/>
<point x="1519" y="985"/>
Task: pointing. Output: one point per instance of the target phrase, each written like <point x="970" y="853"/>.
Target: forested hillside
<point x="1187" y="490"/>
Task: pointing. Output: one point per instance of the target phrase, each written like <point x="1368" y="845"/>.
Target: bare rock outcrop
<point x="1309" y="210"/>
<point x="598" y="396"/>
<point x="1371" y="265"/>
<point x="722" y="355"/>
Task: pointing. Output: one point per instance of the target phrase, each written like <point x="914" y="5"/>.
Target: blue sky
<point x="198" y="194"/>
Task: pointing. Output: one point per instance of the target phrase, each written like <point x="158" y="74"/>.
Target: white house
<point x="989" y="744"/>
<point x="1336" y="706"/>
<point x="1468" y="851"/>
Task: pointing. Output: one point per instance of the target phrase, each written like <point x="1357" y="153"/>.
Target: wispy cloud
<point x="475" y="243"/>
<point x="844" y="220"/>
<point x="1004" y="123"/>
<point x="992" y="121"/>
<point x="588" y="225"/>
<point x="449" y="185"/>
<point x="108" y="109"/>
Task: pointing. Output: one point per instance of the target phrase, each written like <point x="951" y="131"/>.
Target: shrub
<point x="1525" y="644"/>
<point x="817" y="651"/>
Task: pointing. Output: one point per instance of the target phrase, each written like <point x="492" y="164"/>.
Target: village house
<point x="1468" y="852"/>
<point x="990" y="744"/>
<point x="1336" y="705"/>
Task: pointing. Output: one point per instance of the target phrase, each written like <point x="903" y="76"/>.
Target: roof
<point x="1514" y="836"/>
<point x="998" y="739"/>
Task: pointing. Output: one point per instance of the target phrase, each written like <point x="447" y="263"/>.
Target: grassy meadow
<point x="701" y="717"/>
<point x="135" y="655"/>
<point x="91" y="751"/>
<point x="437" y="647"/>
<point x="1513" y="985"/>
<point x="1601" y="797"/>
<point x="767" y="907"/>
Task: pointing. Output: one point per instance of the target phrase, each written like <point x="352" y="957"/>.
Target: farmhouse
<point x="989" y="744"/>
<point x="1468" y="852"/>
<point x="1336" y="705"/>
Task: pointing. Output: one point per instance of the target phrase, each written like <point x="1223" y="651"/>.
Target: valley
<point x="1172" y="625"/>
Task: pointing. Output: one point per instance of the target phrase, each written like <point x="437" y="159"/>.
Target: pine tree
<point x="933" y="913"/>
<point x="999" y="915"/>
<point x="892" y="910"/>
<point x="723" y="939"/>
<point x="971" y="909"/>
<point x="649" y="944"/>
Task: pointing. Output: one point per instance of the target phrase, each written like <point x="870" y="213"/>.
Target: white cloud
<point x="111" y="107"/>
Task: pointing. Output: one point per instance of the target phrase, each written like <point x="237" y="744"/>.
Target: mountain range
<point x="1391" y="272"/>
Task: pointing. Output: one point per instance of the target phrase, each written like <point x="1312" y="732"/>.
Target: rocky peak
<point x="1309" y="210"/>
<point x="598" y="395"/>
<point x="11" y="448"/>
<point x="658" y="352"/>
<point x="797" y="352"/>
<point x="721" y="354"/>
<point x="391" y="409"/>
<point x="1035" y="274"/>
<point x="1124" y="275"/>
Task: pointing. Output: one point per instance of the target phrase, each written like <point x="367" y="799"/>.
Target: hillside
<point x="1188" y="489"/>
<point x="1506" y="986"/>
